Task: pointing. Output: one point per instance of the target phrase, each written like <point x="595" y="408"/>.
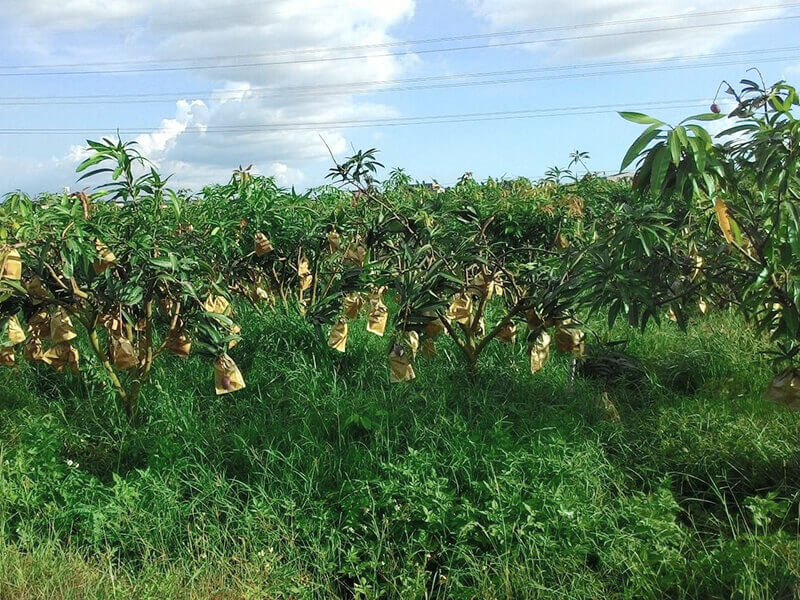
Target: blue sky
<point x="652" y="43"/>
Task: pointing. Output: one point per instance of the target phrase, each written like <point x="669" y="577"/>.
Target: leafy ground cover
<point x="322" y="480"/>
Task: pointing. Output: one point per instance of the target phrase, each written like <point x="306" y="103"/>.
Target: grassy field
<point x="322" y="480"/>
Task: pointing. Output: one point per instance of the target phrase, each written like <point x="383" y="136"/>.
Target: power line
<point x="417" y="41"/>
<point x="385" y="122"/>
<point x="350" y="87"/>
<point x="459" y="84"/>
<point x="405" y="53"/>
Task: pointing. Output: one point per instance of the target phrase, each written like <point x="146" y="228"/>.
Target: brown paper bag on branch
<point x="62" y="355"/>
<point x="12" y="265"/>
<point x="7" y="357"/>
<point x="351" y="304"/>
<point x="400" y="368"/>
<point x="460" y="310"/>
<point x="61" y="329"/>
<point x="338" y="336"/>
<point x="105" y="257"/>
<point x="540" y="352"/>
<point x="570" y="339"/>
<point x="261" y="244"/>
<point x="334" y="241"/>
<point x="377" y="317"/>
<point x="15" y="333"/>
<point x="122" y="353"/>
<point x="227" y="377"/>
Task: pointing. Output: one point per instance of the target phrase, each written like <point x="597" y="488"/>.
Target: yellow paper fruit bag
<point x="15" y="333"/>
<point x="400" y="369"/>
<point x="227" y="377"/>
<point x="540" y="352"/>
<point x="261" y="244"/>
<point x="61" y="329"/>
<point x="338" y="336"/>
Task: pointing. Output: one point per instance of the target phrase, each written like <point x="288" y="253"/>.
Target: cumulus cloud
<point x="676" y="37"/>
<point x="223" y="128"/>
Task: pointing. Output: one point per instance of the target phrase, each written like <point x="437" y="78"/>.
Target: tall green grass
<point x="322" y="480"/>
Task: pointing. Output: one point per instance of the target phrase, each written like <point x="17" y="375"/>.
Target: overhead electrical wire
<point x="312" y="92"/>
<point x="368" y="56"/>
<point x="384" y="122"/>
<point x="400" y="43"/>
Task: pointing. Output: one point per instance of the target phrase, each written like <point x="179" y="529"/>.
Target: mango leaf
<point x="660" y="167"/>
<point x="640" y="118"/>
<point x="705" y="117"/>
<point x="640" y="144"/>
<point x="674" y="147"/>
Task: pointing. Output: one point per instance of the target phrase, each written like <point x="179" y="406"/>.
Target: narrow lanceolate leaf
<point x="641" y="118"/>
<point x="659" y="172"/>
<point x="93" y="160"/>
<point x="640" y="144"/>
<point x="705" y="117"/>
<point x="674" y="143"/>
<point x="723" y="217"/>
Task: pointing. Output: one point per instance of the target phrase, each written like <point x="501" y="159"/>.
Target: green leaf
<point x="659" y="172"/>
<point x="92" y="160"/>
<point x="640" y="118"/>
<point x="674" y="147"/>
<point x="641" y="142"/>
<point x="704" y="117"/>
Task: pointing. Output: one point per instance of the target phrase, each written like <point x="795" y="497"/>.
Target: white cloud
<point x="189" y="140"/>
<point x="677" y="36"/>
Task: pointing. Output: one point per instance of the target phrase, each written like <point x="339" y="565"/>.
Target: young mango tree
<point x="735" y="195"/>
<point x="111" y="266"/>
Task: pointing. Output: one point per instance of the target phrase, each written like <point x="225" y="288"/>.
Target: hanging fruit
<point x="33" y="351"/>
<point x="105" y="257"/>
<point x="377" y="317"/>
<point x="61" y="329"/>
<point x="39" y="325"/>
<point x="338" y="336"/>
<point x="178" y="343"/>
<point x="434" y="327"/>
<point x="217" y="304"/>
<point x="15" y="333"/>
<point x="122" y="353"/>
<point x="62" y="355"/>
<point x="724" y="220"/>
<point x="167" y="306"/>
<point x="7" y="357"/>
<point x="36" y="291"/>
<point x="334" y="241"/>
<point x="428" y="347"/>
<point x="540" y="351"/>
<point x="235" y="330"/>
<point x="400" y="369"/>
<point x="460" y="310"/>
<point x="533" y="319"/>
<point x="12" y="265"/>
<point x="227" y="377"/>
<point x="261" y="244"/>
<point x="304" y="276"/>
<point x="352" y="304"/>
<point x="570" y="339"/>
<point x="411" y="339"/>
<point x="355" y="255"/>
